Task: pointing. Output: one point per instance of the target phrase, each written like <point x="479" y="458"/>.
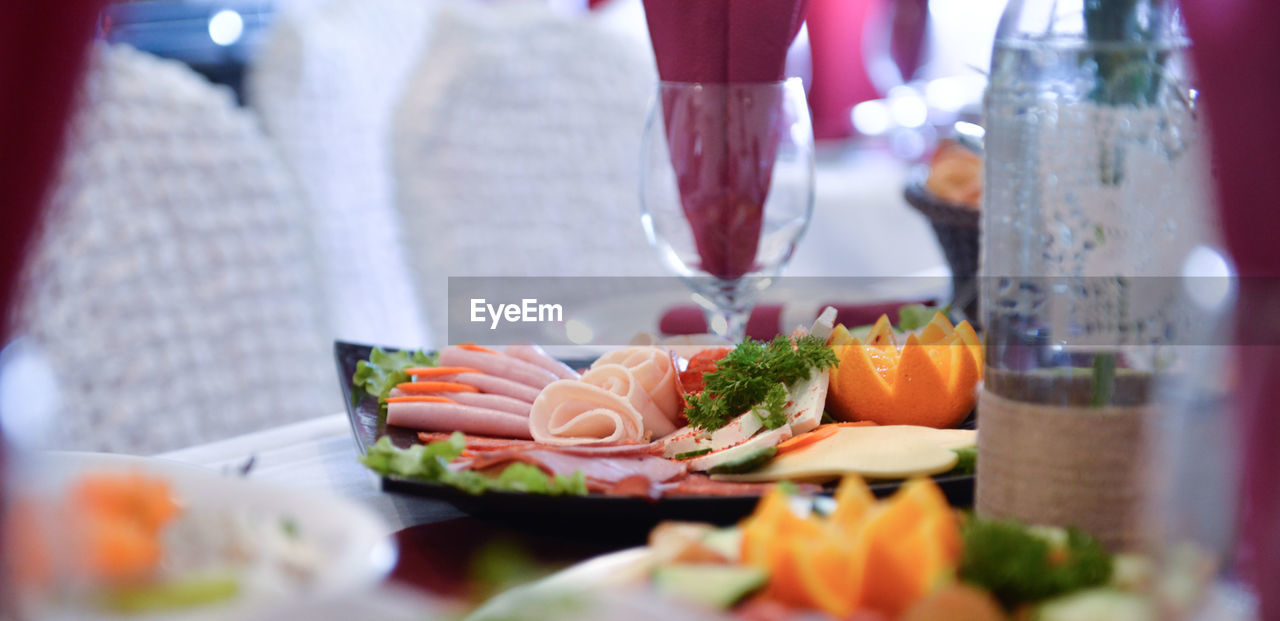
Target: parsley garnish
<point x="773" y="410"/>
<point x="747" y="375"/>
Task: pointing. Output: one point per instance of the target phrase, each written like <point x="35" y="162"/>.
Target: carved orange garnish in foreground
<point x="867" y="555"/>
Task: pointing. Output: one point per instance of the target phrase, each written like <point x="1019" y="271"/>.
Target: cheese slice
<point x="683" y="440"/>
<point x="808" y="401"/>
<point x="824" y="324"/>
<point x="956" y="439"/>
<point x="888" y="452"/>
<point x="736" y="431"/>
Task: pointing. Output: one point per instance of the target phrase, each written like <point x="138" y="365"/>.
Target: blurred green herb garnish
<point x="1021" y="564"/>
<point x="966" y="462"/>
<point x="501" y="568"/>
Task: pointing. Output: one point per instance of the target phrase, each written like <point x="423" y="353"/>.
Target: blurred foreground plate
<point x="606" y="587"/>
<point x="353" y="552"/>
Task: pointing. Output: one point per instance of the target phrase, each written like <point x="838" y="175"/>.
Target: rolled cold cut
<point x="494" y="385"/>
<point x="499" y="365"/>
<point x="575" y="412"/>
<point x="536" y="356"/>
<point x="431" y="416"/>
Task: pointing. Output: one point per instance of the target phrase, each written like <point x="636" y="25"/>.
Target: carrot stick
<point x="807" y="438"/>
<point x="419" y="399"/>
<point x="474" y="347"/>
<point x="822" y="432"/>
<point x="426" y="388"/>
<point x="425" y="372"/>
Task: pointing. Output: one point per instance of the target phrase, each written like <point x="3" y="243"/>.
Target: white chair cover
<point x="325" y="84"/>
<point x="172" y="288"/>
<point x="517" y="149"/>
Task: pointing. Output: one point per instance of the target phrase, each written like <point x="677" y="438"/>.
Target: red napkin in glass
<point x="723" y="139"/>
<point x="763" y="324"/>
<point x="765" y="321"/>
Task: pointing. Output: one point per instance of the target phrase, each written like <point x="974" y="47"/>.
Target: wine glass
<point x="726" y="189"/>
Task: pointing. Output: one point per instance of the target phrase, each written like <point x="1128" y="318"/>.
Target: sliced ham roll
<point x="535" y="356"/>
<point x="492" y="402"/>
<point x="621" y="381"/>
<point x="575" y="412"/>
<point x="494" y="385"/>
<point x="430" y="416"/>
<point x="653" y="369"/>
<point x="499" y="365"/>
<point x="480" y="400"/>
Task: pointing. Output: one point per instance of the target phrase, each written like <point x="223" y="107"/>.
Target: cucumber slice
<point x="714" y="586"/>
<point x="184" y="593"/>
<point x="746" y="463"/>
<point x="759" y="441"/>
<point x="693" y="453"/>
<point x="1096" y="605"/>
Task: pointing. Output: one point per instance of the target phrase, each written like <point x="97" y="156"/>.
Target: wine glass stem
<point x="729" y="322"/>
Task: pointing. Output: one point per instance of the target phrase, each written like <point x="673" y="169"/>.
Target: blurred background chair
<point x="325" y="83"/>
<point x="172" y="290"/>
<point x="517" y="144"/>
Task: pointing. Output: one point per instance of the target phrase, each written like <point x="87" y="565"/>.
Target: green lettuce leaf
<point x="522" y="477"/>
<point x="427" y="462"/>
<point x="383" y="370"/>
<point x="916" y="316"/>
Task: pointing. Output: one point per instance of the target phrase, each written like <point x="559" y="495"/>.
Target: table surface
<point x="320" y="455"/>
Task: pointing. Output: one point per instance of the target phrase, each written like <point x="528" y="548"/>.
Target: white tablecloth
<point x="318" y="454"/>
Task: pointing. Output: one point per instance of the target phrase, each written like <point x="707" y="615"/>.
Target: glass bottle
<point x="1094" y="207"/>
<point x="1105" y="296"/>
